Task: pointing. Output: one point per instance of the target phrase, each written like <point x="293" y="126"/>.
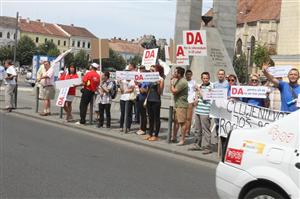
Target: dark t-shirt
<point x="153" y="94"/>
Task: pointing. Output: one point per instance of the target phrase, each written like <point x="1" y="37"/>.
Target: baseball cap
<point x="95" y="65"/>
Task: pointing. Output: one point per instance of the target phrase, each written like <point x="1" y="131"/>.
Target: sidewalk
<point x="27" y="104"/>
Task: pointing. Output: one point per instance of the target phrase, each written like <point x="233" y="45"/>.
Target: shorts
<point x="47" y="93"/>
<point x="181" y="115"/>
<point x="70" y="98"/>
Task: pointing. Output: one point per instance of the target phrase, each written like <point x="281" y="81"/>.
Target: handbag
<point x="146" y="100"/>
<point x="132" y="96"/>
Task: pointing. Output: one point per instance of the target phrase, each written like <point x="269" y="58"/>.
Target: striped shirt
<point x="203" y="107"/>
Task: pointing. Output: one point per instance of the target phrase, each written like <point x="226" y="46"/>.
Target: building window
<point x="239" y="45"/>
<point x="83" y="44"/>
<point x="58" y="42"/>
<point x="14" y="35"/>
<point x="8" y="35"/>
<point x="52" y="40"/>
<point x="65" y="43"/>
<point x="73" y="43"/>
<point x="0" y="34"/>
<point x="45" y="40"/>
<point x="89" y="45"/>
<point x="36" y="40"/>
<point x="78" y="44"/>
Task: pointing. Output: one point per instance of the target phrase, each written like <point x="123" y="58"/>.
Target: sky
<point x="128" y="19"/>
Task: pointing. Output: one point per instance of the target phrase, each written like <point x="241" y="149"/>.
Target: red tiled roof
<point x="256" y="10"/>
<point x="40" y="28"/>
<point x="125" y="47"/>
<point x="77" y="31"/>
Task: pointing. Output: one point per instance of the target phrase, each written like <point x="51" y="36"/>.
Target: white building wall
<point x="4" y="41"/>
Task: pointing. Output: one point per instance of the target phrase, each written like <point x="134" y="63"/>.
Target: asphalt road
<point x="40" y="160"/>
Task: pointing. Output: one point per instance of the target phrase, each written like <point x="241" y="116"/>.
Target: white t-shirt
<point x="2" y="72"/>
<point x="12" y="71"/>
<point x="48" y="81"/>
<point x="192" y="92"/>
<point x="126" y="85"/>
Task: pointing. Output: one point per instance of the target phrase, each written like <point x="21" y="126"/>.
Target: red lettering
<point x="240" y="91"/>
<point x="147" y="54"/>
<point x="180" y="51"/>
<point x="150" y="54"/>
<point x="194" y="39"/>
<point x="189" y="38"/>
<point x="138" y="77"/>
<point x="235" y="91"/>
<point x="198" y="38"/>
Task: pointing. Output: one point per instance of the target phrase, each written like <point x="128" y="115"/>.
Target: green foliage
<point x="137" y="60"/>
<point x="161" y="54"/>
<point x="25" y="50"/>
<point x="81" y="60"/>
<point x="48" y="48"/>
<point x="6" y="53"/>
<point x="261" y="55"/>
<point x="240" y="67"/>
<point x="69" y="59"/>
<point x="115" y="60"/>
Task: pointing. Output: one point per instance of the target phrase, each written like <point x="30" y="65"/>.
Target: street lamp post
<point x="248" y="61"/>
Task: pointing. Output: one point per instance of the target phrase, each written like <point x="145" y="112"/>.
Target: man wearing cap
<point x="90" y="81"/>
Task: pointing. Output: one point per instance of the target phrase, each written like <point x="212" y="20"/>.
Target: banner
<point x="136" y="76"/>
<point x="62" y="96"/>
<point x="249" y="91"/>
<point x="60" y="57"/>
<point x="298" y="101"/>
<point x="279" y="71"/>
<point x="182" y="57"/>
<point x="195" y="42"/>
<point x="149" y="57"/>
<point x="67" y="83"/>
<point x="215" y="93"/>
<point x="235" y="114"/>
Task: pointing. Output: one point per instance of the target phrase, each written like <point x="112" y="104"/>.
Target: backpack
<point x="114" y="90"/>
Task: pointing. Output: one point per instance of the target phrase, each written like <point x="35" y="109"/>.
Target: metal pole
<point x="126" y="116"/>
<point x="91" y="110"/>
<point x="170" y="121"/>
<point x="61" y="113"/>
<point x="16" y="39"/>
<point x="16" y="95"/>
<point x="37" y="99"/>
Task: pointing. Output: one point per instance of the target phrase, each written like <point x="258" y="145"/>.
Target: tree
<point x="81" y="59"/>
<point x="48" y="48"/>
<point x="137" y="60"/>
<point x="69" y="59"/>
<point x="261" y="55"/>
<point x="115" y="61"/>
<point x="240" y="67"/>
<point x="161" y="54"/>
<point x="6" y="53"/>
<point x="25" y="50"/>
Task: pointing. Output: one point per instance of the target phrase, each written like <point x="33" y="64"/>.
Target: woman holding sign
<point x="72" y="92"/>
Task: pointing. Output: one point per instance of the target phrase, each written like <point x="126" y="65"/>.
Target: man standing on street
<point x="179" y="88"/>
<point x="10" y="85"/>
<point x="2" y="73"/>
<point x="90" y="81"/>
<point x="47" y="84"/>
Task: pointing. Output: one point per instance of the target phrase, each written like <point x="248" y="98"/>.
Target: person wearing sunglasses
<point x="254" y="81"/>
<point x="232" y="81"/>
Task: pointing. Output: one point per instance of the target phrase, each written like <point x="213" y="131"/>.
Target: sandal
<point x="147" y="137"/>
<point x="153" y="138"/>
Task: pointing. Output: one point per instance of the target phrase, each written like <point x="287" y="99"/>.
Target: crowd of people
<point x="144" y="98"/>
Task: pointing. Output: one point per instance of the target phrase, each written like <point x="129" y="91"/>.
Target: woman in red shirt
<point x="72" y="92"/>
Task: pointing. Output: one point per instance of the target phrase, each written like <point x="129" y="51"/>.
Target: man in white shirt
<point x="2" y="73"/>
<point x="191" y="99"/>
<point x="10" y="85"/>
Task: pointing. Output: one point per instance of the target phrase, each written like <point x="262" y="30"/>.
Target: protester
<point x="90" y="82"/>
<point x="254" y="81"/>
<point x="179" y="88"/>
<point x="10" y="85"/>
<point x="127" y="96"/>
<point x="191" y="98"/>
<point x="232" y="81"/>
<point x="142" y="96"/>
<point x="202" y="120"/>
<point x="154" y="103"/>
<point x="221" y="83"/>
<point x="105" y="100"/>
<point x="46" y="81"/>
<point x="71" y="74"/>
<point x="289" y="91"/>
<point x="2" y="74"/>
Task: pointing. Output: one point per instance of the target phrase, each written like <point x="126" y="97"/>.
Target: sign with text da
<point x="195" y="42"/>
<point x="62" y="97"/>
<point x="249" y="91"/>
<point x="149" y="57"/>
<point x="182" y="57"/>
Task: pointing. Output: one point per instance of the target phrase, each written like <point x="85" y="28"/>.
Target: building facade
<point x="8" y="31"/>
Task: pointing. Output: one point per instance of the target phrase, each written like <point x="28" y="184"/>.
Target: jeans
<point x="86" y="98"/>
<point x="143" y="113"/>
<point x="154" y="117"/>
<point x="106" y="108"/>
<point x="129" y="113"/>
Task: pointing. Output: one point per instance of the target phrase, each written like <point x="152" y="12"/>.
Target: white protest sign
<point x="182" y="57"/>
<point x="136" y="76"/>
<point x="235" y="114"/>
<point x="298" y="101"/>
<point x="167" y="54"/>
<point x="195" y="42"/>
<point x="279" y="71"/>
<point x="60" y="57"/>
<point x="67" y="83"/>
<point x="62" y="96"/>
<point x="215" y="93"/>
<point x="249" y="91"/>
<point x="149" y="57"/>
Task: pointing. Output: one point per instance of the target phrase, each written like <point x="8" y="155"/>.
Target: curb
<point x="101" y="133"/>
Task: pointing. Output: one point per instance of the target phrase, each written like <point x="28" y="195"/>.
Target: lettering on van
<point x="234" y="156"/>
<point x="280" y="135"/>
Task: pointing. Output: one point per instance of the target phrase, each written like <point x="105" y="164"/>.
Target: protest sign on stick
<point x="136" y="76"/>
<point x="62" y="96"/>
<point x="149" y="57"/>
<point x="195" y="42"/>
<point x="67" y="83"/>
<point x="249" y="91"/>
<point x="182" y="57"/>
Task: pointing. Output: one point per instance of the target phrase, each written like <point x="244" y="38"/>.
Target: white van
<point x="263" y="162"/>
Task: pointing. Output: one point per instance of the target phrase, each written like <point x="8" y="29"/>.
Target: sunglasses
<point x="254" y="80"/>
<point x="231" y="80"/>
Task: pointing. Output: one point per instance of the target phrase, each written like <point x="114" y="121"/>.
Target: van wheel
<point x="263" y="193"/>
